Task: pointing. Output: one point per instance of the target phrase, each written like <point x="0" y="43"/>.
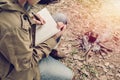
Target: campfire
<point x="89" y="43"/>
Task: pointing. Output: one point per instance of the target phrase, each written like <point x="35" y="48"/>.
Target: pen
<point x="36" y="17"/>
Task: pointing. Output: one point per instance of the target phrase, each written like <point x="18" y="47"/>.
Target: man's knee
<point x="52" y="69"/>
<point x="57" y="75"/>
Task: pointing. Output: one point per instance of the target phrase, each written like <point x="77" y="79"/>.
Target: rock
<point x="110" y="74"/>
<point x="118" y="71"/>
<point x="104" y="69"/>
<point x="111" y="66"/>
<point x="118" y="75"/>
<point x="107" y="64"/>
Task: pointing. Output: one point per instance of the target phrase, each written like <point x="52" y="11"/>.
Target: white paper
<point x="48" y="29"/>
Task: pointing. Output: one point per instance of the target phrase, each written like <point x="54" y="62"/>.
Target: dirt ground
<point x="100" y="16"/>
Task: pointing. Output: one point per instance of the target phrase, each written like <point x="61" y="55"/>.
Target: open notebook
<point x="47" y="30"/>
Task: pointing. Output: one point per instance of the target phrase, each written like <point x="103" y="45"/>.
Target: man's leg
<point x="51" y="69"/>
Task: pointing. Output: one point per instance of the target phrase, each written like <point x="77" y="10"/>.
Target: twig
<point x="87" y="53"/>
<point x="101" y="54"/>
<point x="102" y="46"/>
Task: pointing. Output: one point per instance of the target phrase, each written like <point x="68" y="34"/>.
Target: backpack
<point x="48" y="1"/>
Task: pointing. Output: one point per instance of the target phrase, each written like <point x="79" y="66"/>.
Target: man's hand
<point x="61" y="26"/>
<point x="38" y="19"/>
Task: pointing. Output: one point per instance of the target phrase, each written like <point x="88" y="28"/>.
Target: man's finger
<point x="37" y="22"/>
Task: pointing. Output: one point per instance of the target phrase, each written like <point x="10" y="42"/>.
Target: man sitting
<point x="18" y="59"/>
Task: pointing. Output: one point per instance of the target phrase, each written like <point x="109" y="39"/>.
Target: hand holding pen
<point x="38" y="19"/>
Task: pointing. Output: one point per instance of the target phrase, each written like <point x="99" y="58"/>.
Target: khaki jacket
<point x="18" y="60"/>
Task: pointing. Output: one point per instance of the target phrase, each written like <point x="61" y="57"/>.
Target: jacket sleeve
<point x="15" y="46"/>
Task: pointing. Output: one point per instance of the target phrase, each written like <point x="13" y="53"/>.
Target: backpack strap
<point x="9" y="10"/>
